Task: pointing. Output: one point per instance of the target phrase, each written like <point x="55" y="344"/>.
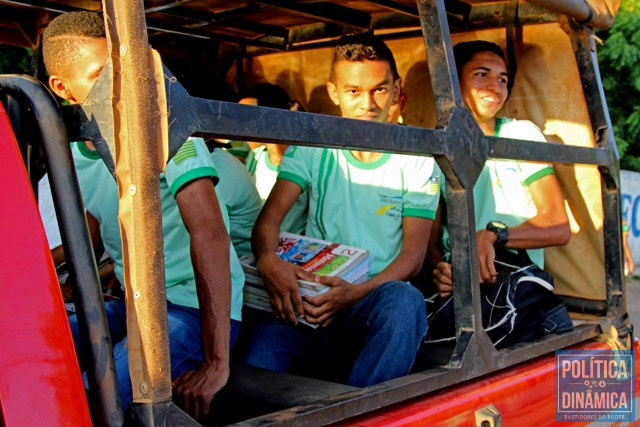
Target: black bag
<point x="520" y="306"/>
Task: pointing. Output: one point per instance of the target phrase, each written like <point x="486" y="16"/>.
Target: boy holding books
<point x="378" y="201"/>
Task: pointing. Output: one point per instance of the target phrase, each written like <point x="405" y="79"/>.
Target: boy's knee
<point x="401" y="304"/>
<point x="403" y="297"/>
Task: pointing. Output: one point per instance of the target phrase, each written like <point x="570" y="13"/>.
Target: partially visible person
<point x="110" y="284"/>
<point x="203" y="276"/>
<point x="518" y="205"/>
<point x="240" y="197"/>
<point x="519" y="210"/>
<point x="383" y="202"/>
<point x="263" y="161"/>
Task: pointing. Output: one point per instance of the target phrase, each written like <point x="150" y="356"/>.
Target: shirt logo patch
<point x="433" y="186"/>
<point x="289" y="151"/>
<point x="391" y="206"/>
<point x="187" y="151"/>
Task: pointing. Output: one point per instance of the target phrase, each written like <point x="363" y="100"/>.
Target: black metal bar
<point x="584" y="49"/>
<point x="87" y="292"/>
<point x="228" y="19"/>
<point x="210" y="35"/>
<point x="162" y="5"/>
<point x="590" y="78"/>
<point x="160" y="414"/>
<point x="397" y="7"/>
<point x="325" y="11"/>
<point x="212" y="118"/>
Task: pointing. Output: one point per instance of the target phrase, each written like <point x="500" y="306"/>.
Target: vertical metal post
<point x="584" y="49"/>
<point x="139" y="120"/>
<point x="466" y="151"/>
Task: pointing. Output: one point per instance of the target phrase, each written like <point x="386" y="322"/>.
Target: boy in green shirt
<point x="382" y="202"/>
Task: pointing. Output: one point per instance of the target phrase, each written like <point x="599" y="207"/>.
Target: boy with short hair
<point x="204" y="291"/>
<point x="382" y="202"/>
<point x="518" y="205"/>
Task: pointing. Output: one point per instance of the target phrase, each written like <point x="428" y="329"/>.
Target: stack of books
<point x="316" y="256"/>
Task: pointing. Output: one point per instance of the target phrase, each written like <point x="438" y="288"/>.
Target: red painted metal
<point x="40" y="382"/>
<point x="524" y="395"/>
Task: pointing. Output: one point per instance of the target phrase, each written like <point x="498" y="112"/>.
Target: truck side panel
<point x="524" y="395"/>
<point x="40" y="382"/>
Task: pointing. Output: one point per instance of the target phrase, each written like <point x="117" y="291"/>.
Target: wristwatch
<point x="502" y="231"/>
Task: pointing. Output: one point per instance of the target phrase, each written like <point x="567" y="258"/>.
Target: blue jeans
<point x="184" y="341"/>
<point x="376" y="340"/>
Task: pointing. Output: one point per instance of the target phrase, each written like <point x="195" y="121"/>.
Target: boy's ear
<point x="59" y="87"/>
<point x="397" y="89"/>
<point x="333" y="92"/>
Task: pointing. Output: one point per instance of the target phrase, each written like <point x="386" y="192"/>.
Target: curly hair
<point x="65" y="35"/>
<point x="363" y="47"/>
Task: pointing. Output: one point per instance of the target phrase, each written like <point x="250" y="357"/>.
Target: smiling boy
<point x="518" y="205"/>
<point x="383" y="202"/>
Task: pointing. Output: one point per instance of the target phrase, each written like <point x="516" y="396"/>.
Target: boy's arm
<point x="441" y="273"/>
<point x="210" y="241"/>
<point x="406" y="265"/>
<point x="550" y="227"/>
<point x="280" y="277"/>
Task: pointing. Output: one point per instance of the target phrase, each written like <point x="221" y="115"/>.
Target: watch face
<point x="501" y="230"/>
<point x="498" y="225"/>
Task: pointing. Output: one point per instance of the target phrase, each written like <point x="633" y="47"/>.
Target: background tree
<point x="619" y="59"/>
<point x="14" y="60"/>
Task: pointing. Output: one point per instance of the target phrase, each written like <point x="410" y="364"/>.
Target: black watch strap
<point x="502" y="231"/>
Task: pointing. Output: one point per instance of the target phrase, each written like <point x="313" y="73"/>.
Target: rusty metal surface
<point x="456" y="143"/>
<point x="266" y="24"/>
<point x="138" y="131"/>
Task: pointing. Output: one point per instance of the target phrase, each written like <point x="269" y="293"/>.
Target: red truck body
<point x="40" y="382"/>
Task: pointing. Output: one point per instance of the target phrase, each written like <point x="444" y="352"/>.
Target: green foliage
<point x="619" y="59"/>
<point x="15" y="60"/>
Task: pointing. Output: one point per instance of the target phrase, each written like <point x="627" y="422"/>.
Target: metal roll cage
<point x="457" y="144"/>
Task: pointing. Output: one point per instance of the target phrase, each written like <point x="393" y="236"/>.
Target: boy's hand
<point x="442" y="278"/>
<point x="486" y="255"/>
<point x="323" y="308"/>
<point x="194" y="390"/>
<point x="280" y="278"/>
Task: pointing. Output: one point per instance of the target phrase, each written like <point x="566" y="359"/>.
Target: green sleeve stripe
<point x="250" y="162"/>
<point x="86" y="151"/>
<point x="193" y="174"/>
<point x="536" y="176"/>
<point x="326" y="167"/>
<point x="624" y="228"/>
<point x="419" y="213"/>
<point x="187" y="151"/>
<point x="293" y="178"/>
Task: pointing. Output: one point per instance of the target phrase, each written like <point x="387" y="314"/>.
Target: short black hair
<point x="363" y="47"/>
<point x="269" y="95"/>
<point x="463" y="52"/>
<point x="65" y="34"/>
